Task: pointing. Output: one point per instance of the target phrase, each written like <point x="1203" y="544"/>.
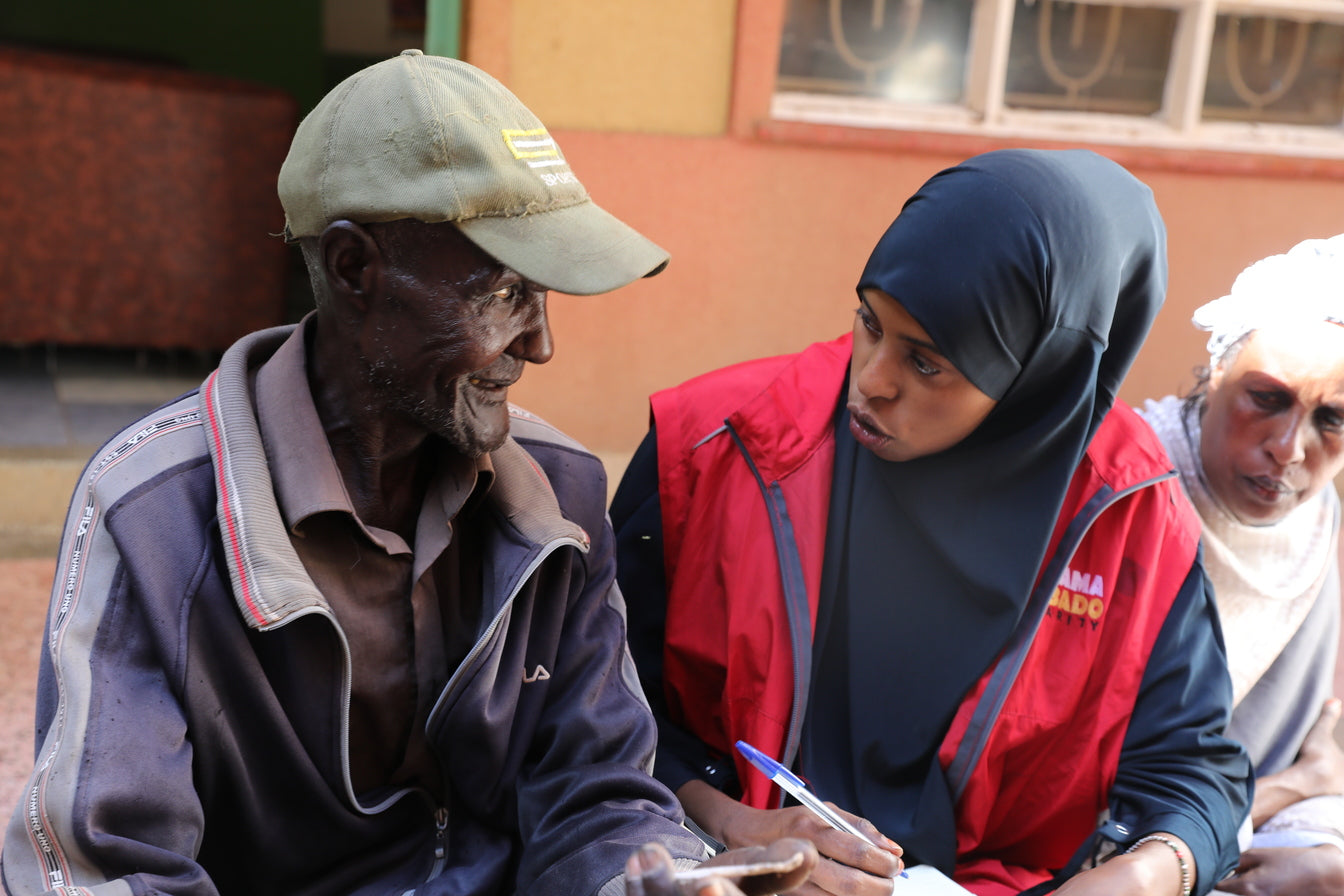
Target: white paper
<point x="926" y="880"/>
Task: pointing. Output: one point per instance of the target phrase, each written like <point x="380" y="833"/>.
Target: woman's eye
<point x="866" y="318"/>
<point x="1271" y="401"/>
<point x="1328" y="420"/>
<point x="923" y="366"/>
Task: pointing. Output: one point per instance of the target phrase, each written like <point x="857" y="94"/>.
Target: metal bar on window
<point x="991" y="29"/>
<point x="1189" y="66"/>
<point x="1165" y="87"/>
<point x="1314" y="10"/>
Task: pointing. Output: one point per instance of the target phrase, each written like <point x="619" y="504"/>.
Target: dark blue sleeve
<point x="636" y="515"/>
<point x="1178" y="772"/>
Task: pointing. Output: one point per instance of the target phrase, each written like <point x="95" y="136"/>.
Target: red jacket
<point x="1033" y="771"/>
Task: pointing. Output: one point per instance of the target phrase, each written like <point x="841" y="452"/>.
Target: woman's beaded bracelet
<point x="1186" y="883"/>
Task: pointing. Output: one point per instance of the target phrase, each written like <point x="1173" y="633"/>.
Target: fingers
<point x="874" y="853"/>
<point x="1249" y="878"/>
<point x="780" y="851"/>
<point x="857" y="854"/>
<point x="882" y="842"/>
<point x="648" y="872"/>
<point x="834" y="877"/>
<point x="879" y="839"/>
<point x="856" y="864"/>
<point x="1250" y="860"/>
<point x="776" y="868"/>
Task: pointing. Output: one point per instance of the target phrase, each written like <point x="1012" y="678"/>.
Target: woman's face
<point x="906" y="400"/>
<point x="1273" y="424"/>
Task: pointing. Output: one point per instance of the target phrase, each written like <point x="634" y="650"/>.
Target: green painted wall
<point x="273" y="42"/>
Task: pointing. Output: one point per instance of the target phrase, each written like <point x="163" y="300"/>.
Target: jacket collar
<point x="804" y="395"/>
<point x="269" y="581"/>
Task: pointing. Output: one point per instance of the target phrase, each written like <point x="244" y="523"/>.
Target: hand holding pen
<point x="797" y="788"/>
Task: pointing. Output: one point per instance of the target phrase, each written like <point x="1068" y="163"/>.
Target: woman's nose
<point x="1286" y="445"/>
<point x="876" y="379"/>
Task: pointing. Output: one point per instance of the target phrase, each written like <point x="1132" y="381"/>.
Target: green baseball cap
<point x="436" y="139"/>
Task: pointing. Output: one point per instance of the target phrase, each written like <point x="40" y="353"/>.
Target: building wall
<point x="275" y="43"/>
<point x="661" y="109"/>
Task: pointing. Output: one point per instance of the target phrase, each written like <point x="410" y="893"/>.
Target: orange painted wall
<point x="769" y="225"/>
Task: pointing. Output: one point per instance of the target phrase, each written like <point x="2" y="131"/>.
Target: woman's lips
<point x="1269" y="489"/>
<point x="865" y="432"/>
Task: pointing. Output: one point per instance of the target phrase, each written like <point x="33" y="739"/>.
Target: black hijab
<point x="1037" y="274"/>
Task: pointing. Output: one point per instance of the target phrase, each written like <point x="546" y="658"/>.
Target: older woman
<point x="1258" y="442"/>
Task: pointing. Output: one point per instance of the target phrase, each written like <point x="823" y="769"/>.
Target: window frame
<point x="1176" y="137"/>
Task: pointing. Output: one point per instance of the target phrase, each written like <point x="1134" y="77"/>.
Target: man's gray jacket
<point x="194" y="687"/>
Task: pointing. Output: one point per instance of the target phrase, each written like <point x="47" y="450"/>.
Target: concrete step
<point x="36" y="492"/>
<point x="57" y="405"/>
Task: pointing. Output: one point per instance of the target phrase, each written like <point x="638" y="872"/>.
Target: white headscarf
<point x="1265" y="578"/>
<point x="1305" y="283"/>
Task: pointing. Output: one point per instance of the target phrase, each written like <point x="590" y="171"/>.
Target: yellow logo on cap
<point x="535" y="144"/>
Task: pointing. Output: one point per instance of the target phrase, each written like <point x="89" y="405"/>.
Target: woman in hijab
<point x="933" y="570"/>
<point x="1257" y="443"/>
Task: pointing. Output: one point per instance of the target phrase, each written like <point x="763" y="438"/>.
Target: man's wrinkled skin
<point x="649" y="872"/>
<point x="420" y="336"/>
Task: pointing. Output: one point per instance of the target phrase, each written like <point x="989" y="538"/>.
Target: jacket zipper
<point x="441" y="813"/>
<point x="476" y="650"/>
<point x="440" y="841"/>
<point x="1004" y="670"/>
<point x="440" y="847"/>
<point x="796" y="603"/>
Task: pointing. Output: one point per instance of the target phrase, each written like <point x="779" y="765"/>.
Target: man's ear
<point x="351" y="260"/>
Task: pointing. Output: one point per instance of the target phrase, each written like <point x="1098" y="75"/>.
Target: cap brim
<point x="580" y="249"/>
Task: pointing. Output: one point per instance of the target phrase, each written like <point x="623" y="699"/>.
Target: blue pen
<point x="794" y="787"/>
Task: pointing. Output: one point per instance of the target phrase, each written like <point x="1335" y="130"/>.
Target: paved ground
<point x="24" y="585"/>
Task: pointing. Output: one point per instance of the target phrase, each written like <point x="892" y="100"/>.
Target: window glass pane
<point x="1264" y="69"/>
<point x="1089" y="57"/>
<point x="906" y="50"/>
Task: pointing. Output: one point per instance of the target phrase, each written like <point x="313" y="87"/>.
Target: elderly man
<point x="343" y="620"/>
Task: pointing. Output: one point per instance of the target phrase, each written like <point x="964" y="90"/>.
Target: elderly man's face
<point x="449" y="333"/>
<point x="1273" y="427"/>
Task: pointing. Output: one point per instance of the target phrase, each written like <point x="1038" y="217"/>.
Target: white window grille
<point x="1263" y="76"/>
